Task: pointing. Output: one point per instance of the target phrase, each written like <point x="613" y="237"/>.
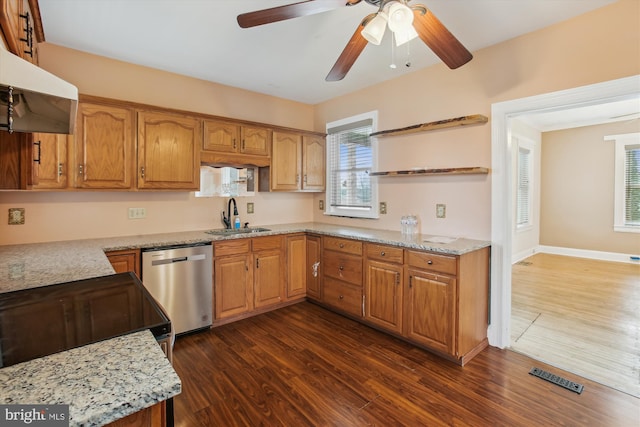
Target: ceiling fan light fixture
<point x="374" y="30"/>
<point x="405" y="35"/>
<point x="400" y="16"/>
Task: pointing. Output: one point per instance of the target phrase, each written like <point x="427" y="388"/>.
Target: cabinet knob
<point x="341" y="268"/>
<point x="429" y="262"/>
<point x="382" y="253"/>
<point x="341" y="297"/>
<point x="341" y="245"/>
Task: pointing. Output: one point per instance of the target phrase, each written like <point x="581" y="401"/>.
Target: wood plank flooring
<point x="580" y="315"/>
<point x="306" y="366"/>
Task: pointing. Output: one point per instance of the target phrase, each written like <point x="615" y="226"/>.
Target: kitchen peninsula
<point x="36" y="265"/>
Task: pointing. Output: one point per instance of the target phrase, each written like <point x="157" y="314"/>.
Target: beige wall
<point x="598" y="46"/>
<point x="577" y="189"/>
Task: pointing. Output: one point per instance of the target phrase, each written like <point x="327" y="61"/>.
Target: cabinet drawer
<point x="268" y="242"/>
<point x="343" y="245"/>
<point x="232" y="247"/>
<point x="385" y="253"/>
<point x="343" y="296"/>
<point x="343" y="267"/>
<point x="431" y="261"/>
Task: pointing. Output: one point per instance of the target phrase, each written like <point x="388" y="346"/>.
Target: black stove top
<point x="41" y="321"/>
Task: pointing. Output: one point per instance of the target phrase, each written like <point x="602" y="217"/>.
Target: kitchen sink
<point x="231" y="231"/>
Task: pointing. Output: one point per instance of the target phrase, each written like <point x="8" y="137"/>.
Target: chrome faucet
<point x="226" y="219"/>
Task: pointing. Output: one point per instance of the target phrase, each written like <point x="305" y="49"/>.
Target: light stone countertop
<point x="41" y="264"/>
<point x="127" y="374"/>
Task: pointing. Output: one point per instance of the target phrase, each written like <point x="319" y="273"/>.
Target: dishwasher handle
<point x="178" y="259"/>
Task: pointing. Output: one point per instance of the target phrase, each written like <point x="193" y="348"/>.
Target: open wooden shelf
<point x="443" y="171"/>
<point x="440" y="124"/>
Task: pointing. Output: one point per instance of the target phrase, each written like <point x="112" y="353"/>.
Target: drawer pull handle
<point x="429" y="262"/>
<point x="341" y="268"/>
<point x="382" y="253"/>
<point x="341" y="245"/>
<point x="341" y="297"/>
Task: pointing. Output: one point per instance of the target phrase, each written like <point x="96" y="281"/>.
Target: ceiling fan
<point x="405" y="22"/>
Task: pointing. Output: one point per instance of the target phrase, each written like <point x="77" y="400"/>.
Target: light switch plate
<point x="250" y="208"/>
<point x="441" y="210"/>
<point x="137" y="213"/>
<point x="383" y="208"/>
<point x="321" y="205"/>
<point x="16" y="216"/>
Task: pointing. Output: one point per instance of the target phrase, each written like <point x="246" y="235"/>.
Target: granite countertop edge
<point x="128" y="373"/>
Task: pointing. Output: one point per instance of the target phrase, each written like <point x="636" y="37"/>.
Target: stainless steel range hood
<point x="40" y="101"/>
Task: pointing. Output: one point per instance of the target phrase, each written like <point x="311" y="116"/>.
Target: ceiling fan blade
<point x="440" y="40"/>
<point x="295" y="10"/>
<point x="351" y="52"/>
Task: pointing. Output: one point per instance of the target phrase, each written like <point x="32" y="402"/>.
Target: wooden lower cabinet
<point x="125" y="260"/>
<point x="342" y="275"/>
<point x="383" y="295"/>
<point x="430" y="310"/>
<point x="296" y="266"/>
<point x="249" y="275"/>
<point x="153" y="416"/>
<point x="314" y="267"/>
<point x="268" y="270"/>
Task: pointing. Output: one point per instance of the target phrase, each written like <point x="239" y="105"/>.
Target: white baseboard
<point x="579" y="253"/>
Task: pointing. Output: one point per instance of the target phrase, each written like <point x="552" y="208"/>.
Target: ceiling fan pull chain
<point x="393" y="51"/>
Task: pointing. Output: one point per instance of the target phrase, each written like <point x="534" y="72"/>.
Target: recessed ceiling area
<point x="288" y="59"/>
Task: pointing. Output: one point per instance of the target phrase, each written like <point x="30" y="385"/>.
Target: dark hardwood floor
<point x="306" y="366"/>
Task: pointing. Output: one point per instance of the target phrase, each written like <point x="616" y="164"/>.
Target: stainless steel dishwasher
<point x="180" y="278"/>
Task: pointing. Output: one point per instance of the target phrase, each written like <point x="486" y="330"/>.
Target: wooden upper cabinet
<point x="230" y="137"/>
<point x="18" y="161"/>
<point x="53" y="168"/>
<point x="255" y="140"/>
<point x="18" y="27"/>
<point x="105" y="147"/>
<point x="286" y="164"/>
<point x="297" y="163"/>
<point x="313" y="162"/>
<point x="220" y="136"/>
<point x="168" y="151"/>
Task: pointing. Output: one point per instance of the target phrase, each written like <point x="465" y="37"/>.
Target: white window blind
<point x="523" y="202"/>
<point x="351" y="190"/>
<point x="626" y="209"/>
<point x="632" y="186"/>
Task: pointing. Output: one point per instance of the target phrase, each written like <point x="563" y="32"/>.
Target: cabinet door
<point x="431" y="310"/>
<point x="383" y="295"/>
<point x="296" y="266"/>
<point x="233" y="282"/>
<point x="220" y="136"/>
<point x="314" y="268"/>
<point x="255" y="140"/>
<point x="168" y="151"/>
<point x="286" y="161"/>
<point x="105" y="147"/>
<point x="53" y="166"/>
<point x="125" y="261"/>
<point x="12" y="24"/>
<point x="268" y="277"/>
<point x="313" y="163"/>
<point x="18" y="169"/>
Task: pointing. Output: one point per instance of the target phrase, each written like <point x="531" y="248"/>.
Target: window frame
<point x="366" y="213"/>
<point x="621" y="141"/>
<point x="528" y="146"/>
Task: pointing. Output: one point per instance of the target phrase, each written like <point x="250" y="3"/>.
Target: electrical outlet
<point x="16" y="216"/>
<point x="250" y="208"/>
<point x="441" y="210"/>
<point x="137" y="213"/>
<point x="321" y="205"/>
<point x="383" y="208"/>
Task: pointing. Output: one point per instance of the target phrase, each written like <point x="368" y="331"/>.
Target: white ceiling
<point x="289" y="59"/>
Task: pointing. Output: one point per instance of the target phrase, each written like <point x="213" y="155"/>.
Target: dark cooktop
<point x="41" y="321"/>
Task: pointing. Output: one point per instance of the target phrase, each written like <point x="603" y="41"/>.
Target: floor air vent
<point x="562" y="382"/>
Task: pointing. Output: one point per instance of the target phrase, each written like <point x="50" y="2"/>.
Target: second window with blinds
<point x="351" y="156"/>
